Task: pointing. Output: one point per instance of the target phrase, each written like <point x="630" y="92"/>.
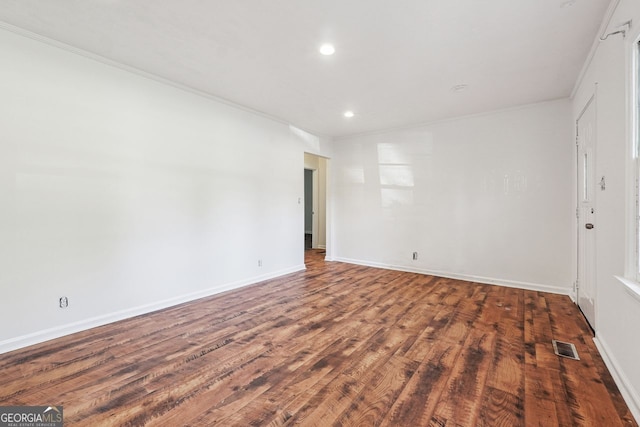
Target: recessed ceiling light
<point x="349" y="114"/>
<point x="459" y="88"/>
<point x="327" y="49"/>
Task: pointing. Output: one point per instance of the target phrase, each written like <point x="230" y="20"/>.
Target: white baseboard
<point x="469" y="278"/>
<point x="82" y="325"/>
<point x="630" y="395"/>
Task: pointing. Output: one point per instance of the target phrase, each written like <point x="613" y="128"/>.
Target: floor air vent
<point x="565" y="349"/>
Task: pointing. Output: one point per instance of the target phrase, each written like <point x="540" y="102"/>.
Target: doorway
<point x="308" y="208"/>
<point x="315" y="204"/>
<point x="586" y="143"/>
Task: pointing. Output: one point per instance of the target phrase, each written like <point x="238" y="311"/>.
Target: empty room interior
<point x="290" y="212"/>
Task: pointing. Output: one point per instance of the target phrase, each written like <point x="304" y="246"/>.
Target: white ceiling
<point x="395" y="61"/>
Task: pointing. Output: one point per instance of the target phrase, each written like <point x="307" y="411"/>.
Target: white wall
<point x="617" y="312"/>
<point x="126" y="194"/>
<point x="484" y="198"/>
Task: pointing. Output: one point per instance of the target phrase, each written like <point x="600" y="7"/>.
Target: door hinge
<point x="578" y="213"/>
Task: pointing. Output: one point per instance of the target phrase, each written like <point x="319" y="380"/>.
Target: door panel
<point x="586" y="138"/>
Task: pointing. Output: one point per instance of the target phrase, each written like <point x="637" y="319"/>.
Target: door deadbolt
<point x="588" y="226"/>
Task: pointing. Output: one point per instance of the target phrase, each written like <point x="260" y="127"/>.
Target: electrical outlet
<point x="415" y="256"/>
<point x="64" y="302"/>
<point x="259" y="263"/>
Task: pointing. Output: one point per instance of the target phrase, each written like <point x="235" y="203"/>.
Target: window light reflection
<point x="354" y="175"/>
<point x="398" y="175"/>
<point x="395" y="197"/>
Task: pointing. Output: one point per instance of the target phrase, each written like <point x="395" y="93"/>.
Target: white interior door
<point x="586" y="142"/>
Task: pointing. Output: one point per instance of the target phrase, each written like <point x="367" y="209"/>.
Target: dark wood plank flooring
<point x="338" y="344"/>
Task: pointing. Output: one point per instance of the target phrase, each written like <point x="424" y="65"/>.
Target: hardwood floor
<point x="338" y="344"/>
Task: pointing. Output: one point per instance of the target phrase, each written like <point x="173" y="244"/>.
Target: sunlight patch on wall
<point x="395" y="175"/>
<point x="394" y="197"/>
<point x="388" y="153"/>
<point x="398" y="175"/>
<point x="354" y="175"/>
